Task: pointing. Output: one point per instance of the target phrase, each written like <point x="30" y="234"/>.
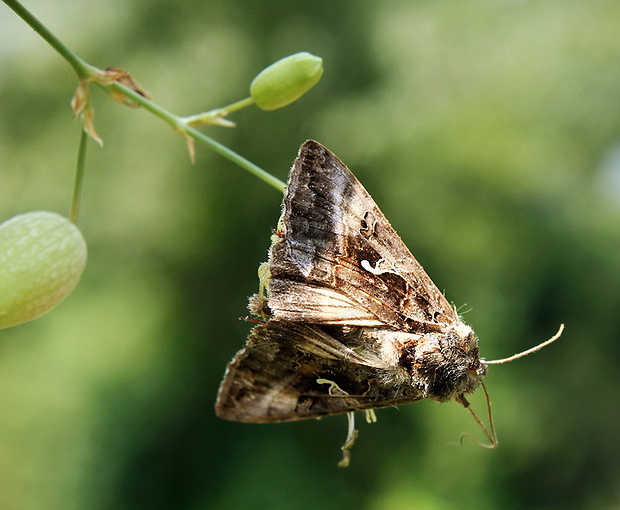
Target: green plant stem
<point x="180" y="126"/>
<point x="79" y="178"/>
<point x="80" y="66"/>
<point x="238" y="105"/>
<point x="212" y="116"/>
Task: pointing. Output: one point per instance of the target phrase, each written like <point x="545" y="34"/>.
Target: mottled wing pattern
<point x="339" y="261"/>
<point x="281" y="375"/>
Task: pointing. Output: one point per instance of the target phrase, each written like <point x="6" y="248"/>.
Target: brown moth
<point x="351" y="319"/>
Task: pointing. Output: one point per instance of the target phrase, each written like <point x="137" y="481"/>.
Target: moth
<point x="349" y="319"/>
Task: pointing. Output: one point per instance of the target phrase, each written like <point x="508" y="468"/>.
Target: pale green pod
<point x="286" y="80"/>
<point x="42" y="256"/>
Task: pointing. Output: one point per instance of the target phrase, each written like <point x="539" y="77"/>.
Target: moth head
<point x="449" y="363"/>
<point x="468" y="343"/>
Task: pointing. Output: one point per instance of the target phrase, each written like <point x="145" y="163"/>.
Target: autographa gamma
<point x="350" y="319"/>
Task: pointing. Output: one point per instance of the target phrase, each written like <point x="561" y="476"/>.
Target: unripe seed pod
<point x="286" y="80"/>
<point x="42" y="256"/>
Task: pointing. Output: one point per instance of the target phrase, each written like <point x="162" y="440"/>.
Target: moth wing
<point x="317" y="304"/>
<point x="333" y="236"/>
<point x="293" y="371"/>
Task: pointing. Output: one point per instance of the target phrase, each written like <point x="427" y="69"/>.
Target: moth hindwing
<point x="346" y="303"/>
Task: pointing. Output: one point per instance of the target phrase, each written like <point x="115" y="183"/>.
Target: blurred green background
<point x="488" y="131"/>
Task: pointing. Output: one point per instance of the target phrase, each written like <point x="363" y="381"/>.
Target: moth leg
<point x="264" y="275"/>
<point x="258" y="302"/>
<point x="352" y="433"/>
<point x="371" y="416"/>
<point x="334" y="389"/>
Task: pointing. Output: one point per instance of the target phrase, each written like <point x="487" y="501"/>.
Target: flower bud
<point x="42" y="256"/>
<point x="286" y="80"/>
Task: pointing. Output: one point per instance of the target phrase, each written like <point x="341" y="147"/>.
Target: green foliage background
<point x="489" y="133"/>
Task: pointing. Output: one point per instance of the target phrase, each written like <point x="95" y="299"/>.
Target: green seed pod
<point x="42" y="256"/>
<point x="286" y="80"/>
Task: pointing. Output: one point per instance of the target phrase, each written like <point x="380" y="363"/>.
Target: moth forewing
<point x="336" y="237"/>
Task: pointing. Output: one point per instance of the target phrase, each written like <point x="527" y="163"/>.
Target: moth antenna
<point x="529" y="351"/>
<point x="490" y="432"/>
